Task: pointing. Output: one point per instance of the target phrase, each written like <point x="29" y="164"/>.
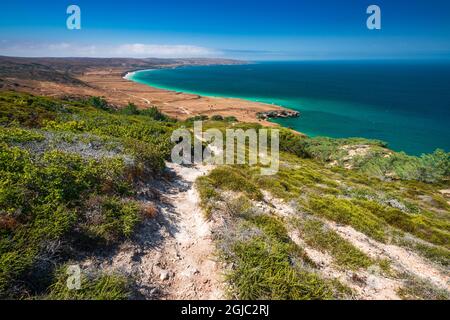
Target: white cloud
<point x="164" y="51"/>
<point x="134" y="50"/>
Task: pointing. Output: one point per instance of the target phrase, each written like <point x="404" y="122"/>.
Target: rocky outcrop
<point x="277" y="114"/>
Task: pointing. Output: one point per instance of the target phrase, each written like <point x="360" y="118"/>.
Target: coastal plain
<point x="83" y="77"/>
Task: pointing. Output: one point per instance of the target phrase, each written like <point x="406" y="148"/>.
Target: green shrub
<point x="26" y="110"/>
<point x="416" y="224"/>
<point x="99" y="103"/>
<point x="419" y="289"/>
<point x="19" y="135"/>
<point x="72" y="126"/>
<point x="217" y="117"/>
<point x="230" y="119"/>
<point x="155" y="114"/>
<point x="264" y="270"/>
<point x="130" y="109"/>
<point x="197" y="118"/>
<point x="345" y="212"/>
<point x="434" y="253"/>
<point x="48" y="196"/>
<point x="41" y="200"/>
<point x="112" y="219"/>
<point x="427" y="168"/>
<point x="230" y="178"/>
<point x="293" y="143"/>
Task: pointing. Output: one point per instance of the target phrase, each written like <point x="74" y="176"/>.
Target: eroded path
<point x="172" y="255"/>
<point x="195" y="273"/>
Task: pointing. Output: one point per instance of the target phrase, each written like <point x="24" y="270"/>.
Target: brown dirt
<point x="110" y="84"/>
<point x="172" y="255"/>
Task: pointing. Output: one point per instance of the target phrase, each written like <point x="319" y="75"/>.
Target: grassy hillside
<point x="70" y="172"/>
<point x="319" y="197"/>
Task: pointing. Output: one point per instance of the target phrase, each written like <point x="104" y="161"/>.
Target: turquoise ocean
<point x="405" y="103"/>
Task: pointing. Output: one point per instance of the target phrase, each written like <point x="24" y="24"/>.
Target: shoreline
<point x="110" y="79"/>
<point x="244" y="110"/>
<point x="271" y="110"/>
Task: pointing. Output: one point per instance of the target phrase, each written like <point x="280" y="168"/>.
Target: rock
<point x="164" y="275"/>
<point x="358" y="279"/>
<point x="278" y="114"/>
<point x="445" y="193"/>
<point x="153" y="292"/>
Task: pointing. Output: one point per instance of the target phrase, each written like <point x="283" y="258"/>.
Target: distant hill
<point x="64" y="70"/>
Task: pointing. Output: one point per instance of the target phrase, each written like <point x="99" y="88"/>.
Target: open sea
<point x="405" y="103"/>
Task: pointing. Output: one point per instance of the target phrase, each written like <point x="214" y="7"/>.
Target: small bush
<point x="418" y="289"/>
<point x="19" y="135"/>
<point x="264" y="270"/>
<point x="99" y="103"/>
<point x="344" y="211"/>
<point x="231" y="119"/>
<point x="155" y="114"/>
<point x="112" y="218"/>
<point x="217" y="118"/>
<point x="130" y="109"/>
<point x="229" y="178"/>
<point x="148" y="210"/>
<point x="197" y="118"/>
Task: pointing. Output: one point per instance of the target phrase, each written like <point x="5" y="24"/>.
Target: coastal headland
<point x="59" y="77"/>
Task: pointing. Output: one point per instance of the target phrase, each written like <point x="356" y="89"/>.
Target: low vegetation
<point x="70" y="171"/>
<point x="92" y="287"/>
<point x="370" y="157"/>
<point x="316" y="234"/>
<point x="418" y="289"/>
<point x="68" y="176"/>
<point x="317" y="182"/>
<point x="267" y="264"/>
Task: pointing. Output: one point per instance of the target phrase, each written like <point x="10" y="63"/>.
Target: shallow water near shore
<point x="405" y="103"/>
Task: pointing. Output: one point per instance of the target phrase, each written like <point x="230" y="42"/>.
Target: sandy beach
<point x="119" y="89"/>
<point x="113" y="84"/>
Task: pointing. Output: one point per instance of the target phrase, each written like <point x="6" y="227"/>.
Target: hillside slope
<point x="85" y="184"/>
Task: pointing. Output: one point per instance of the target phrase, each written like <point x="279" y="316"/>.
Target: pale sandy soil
<point x="176" y="104"/>
<point x="196" y="273"/>
<point x="372" y="283"/>
<point x="172" y="256"/>
<point x="111" y="85"/>
<point x="369" y="284"/>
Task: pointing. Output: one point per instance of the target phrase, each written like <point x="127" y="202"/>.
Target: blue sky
<point x="258" y="30"/>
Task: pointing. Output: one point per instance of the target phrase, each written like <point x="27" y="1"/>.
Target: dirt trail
<point x="172" y="255"/>
<point x="196" y="274"/>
